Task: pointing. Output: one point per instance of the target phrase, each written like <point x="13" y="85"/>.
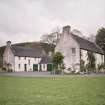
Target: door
<point x="25" y="67"/>
<point x="35" y="67"/>
<point x="49" y="67"/>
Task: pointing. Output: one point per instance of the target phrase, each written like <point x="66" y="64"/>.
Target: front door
<point x="25" y="67"/>
<point x="35" y="67"/>
<point x="49" y="67"/>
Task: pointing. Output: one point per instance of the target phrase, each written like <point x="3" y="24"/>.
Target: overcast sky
<point x="27" y="20"/>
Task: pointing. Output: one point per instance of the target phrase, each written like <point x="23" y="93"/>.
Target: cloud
<point x="27" y="20"/>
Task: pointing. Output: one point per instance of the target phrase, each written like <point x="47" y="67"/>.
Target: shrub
<point x="91" y="62"/>
<point x="10" y="70"/>
<point x="101" y="67"/>
<point x="82" y="65"/>
<point x="4" y="69"/>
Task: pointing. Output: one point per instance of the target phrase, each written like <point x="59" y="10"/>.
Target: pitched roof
<point x="27" y="52"/>
<point x="46" y="60"/>
<point x="87" y="45"/>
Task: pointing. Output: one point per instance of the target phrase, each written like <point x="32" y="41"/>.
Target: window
<point x="25" y="58"/>
<point x="73" y="50"/>
<point x="35" y="59"/>
<point x="29" y="61"/>
<point x="19" y="66"/>
<point x="44" y="66"/>
<point x="19" y="57"/>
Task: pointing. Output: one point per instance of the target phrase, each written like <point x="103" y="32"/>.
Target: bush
<point x="4" y="69"/>
<point x="10" y="70"/>
<point x="101" y="67"/>
<point x="58" y="72"/>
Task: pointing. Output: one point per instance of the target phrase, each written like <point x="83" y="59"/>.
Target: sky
<point x="27" y="20"/>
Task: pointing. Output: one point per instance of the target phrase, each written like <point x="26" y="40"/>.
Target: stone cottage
<point x="26" y="59"/>
<point x="75" y="48"/>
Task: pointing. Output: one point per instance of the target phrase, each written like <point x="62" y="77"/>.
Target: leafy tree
<point x="82" y="65"/>
<point x="58" y="61"/>
<point x="100" y="38"/>
<point x="91" y="61"/>
<point x="28" y="45"/>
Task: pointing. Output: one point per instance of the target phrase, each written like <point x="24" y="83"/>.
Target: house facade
<point x="25" y="59"/>
<point x="75" y="48"/>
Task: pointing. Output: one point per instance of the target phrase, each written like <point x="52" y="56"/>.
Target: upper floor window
<point x="19" y="57"/>
<point x="25" y="58"/>
<point x="73" y="50"/>
<point x="35" y="59"/>
<point x="29" y="61"/>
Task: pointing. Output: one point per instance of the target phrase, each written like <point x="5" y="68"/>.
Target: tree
<point x="51" y="38"/>
<point x="91" y="61"/>
<point x="91" y="38"/>
<point x="77" y="32"/>
<point x="28" y="45"/>
<point x="100" y="38"/>
<point x="82" y="65"/>
<point x="58" y="61"/>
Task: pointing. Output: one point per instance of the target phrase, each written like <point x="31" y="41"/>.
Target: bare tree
<point x="51" y="38"/>
<point x="91" y="38"/>
<point x="77" y="32"/>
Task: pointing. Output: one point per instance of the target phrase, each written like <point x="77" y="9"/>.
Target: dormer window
<point x="73" y="51"/>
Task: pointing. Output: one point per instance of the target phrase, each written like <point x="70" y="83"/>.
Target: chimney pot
<point x="8" y="43"/>
<point x="66" y="29"/>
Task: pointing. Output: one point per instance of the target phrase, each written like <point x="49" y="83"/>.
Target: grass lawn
<point x="45" y="91"/>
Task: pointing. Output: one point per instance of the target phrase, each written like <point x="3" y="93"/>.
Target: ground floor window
<point x="44" y="66"/>
<point x="19" y="66"/>
<point x="25" y="67"/>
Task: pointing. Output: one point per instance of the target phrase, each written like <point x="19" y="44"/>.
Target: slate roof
<point x="87" y="45"/>
<point x="27" y="52"/>
<point x="46" y="60"/>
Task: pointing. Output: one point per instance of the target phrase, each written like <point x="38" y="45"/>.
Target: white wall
<point x="8" y="57"/>
<point x="44" y="67"/>
<point x="23" y="61"/>
<point x="98" y="57"/>
<point x="65" y="46"/>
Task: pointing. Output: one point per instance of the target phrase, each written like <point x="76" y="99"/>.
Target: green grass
<point x="45" y="91"/>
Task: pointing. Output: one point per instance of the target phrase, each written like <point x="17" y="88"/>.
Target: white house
<point x="75" y="48"/>
<point x="26" y="59"/>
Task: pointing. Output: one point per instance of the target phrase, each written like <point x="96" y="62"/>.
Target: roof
<point x="27" y="52"/>
<point x="87" y="45"/>
<point x="45" y="60"/>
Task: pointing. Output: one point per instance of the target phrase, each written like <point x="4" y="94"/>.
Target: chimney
<point x="66" y="29"/>
<point x="8" y="43"/>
